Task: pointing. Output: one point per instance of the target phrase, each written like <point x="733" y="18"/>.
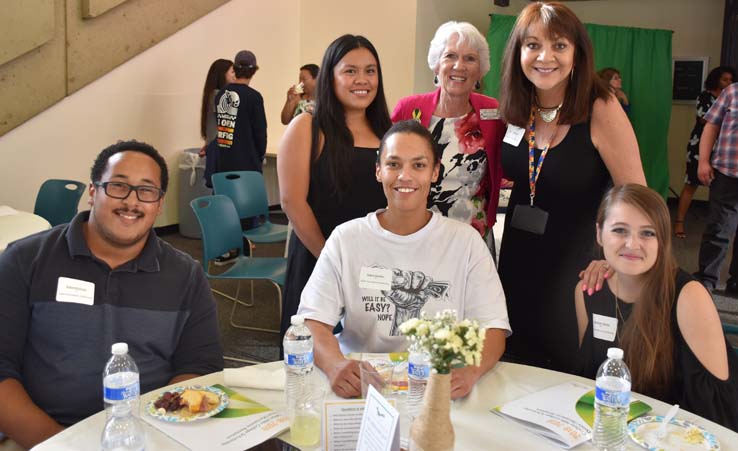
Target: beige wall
<point x="388" y="24"/>
<point x="698" y="28"/>
<point x="154" y="97"/>
<point x="48" y="50"/>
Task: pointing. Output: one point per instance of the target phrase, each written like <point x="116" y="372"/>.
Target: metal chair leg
<point x="235" y="299"/>
<point x="258" y="329"/>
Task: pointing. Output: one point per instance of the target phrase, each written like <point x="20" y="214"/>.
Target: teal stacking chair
<point x="731" y="329"/>
<point x="57" y="200"/>
<point x="246" y="190"/>
<point x="221" y="232"/>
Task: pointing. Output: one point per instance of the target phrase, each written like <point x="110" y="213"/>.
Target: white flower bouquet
<point x="450" y="343"/>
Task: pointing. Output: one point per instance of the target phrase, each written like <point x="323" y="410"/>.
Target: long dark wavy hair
<point x="516" y="91"/>
<point x="214" y="81"/>
<point x="329" y="115"/>
<point x="648" y="336"/>
<point x="712" y="81"/>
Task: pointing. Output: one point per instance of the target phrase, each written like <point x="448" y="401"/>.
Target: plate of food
<point x="680" y="435"/>
<point x="183" y="404"/>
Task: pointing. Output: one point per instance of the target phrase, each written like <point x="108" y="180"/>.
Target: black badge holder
<point x="529" y="218"/>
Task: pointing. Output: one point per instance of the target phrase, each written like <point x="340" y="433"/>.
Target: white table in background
<point x="475" y="427"/>
<point x="15" y="224"/>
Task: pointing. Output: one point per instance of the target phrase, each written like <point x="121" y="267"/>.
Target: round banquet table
<point x="475" y="426"/>
<point x="16" y="224"/>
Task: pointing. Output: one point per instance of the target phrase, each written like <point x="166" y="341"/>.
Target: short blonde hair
<point x="466" y="32"/>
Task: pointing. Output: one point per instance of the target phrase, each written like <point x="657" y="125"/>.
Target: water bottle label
<point x="612" y="398"/>
<point x="418" y="371"/>
<point x="121" y="393"/>
<point x="299" y="359"/>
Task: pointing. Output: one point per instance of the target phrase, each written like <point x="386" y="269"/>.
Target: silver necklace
<point x="548" y="114"/>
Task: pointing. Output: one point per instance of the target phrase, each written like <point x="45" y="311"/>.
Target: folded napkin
<point x="7" y="211"/>
<point x="255" y="377"/>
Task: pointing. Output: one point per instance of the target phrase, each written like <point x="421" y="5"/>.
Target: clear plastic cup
<point x="305" y="418"/>
<point x="377" y="373"/>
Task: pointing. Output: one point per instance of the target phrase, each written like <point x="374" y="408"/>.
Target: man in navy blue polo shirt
<point x="69" y="293"/>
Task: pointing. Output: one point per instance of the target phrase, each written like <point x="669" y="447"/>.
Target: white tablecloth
<point x="16" y="224"/>
<point x="475" y="427"/>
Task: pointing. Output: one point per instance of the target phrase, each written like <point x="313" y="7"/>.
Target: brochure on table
<point x="562" y="414"/>
<point x="380" y="425"/>
<point x="342" y="419"/>
<point x="242" y="425"/>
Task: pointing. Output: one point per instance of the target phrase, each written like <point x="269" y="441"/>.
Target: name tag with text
<point x="375" y="278"/>
<point x="514" y="135"/>
<point x="76" y="291"/>
<point x="604" y="327"/>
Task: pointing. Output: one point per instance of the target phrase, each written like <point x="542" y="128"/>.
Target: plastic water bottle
<point x="418" y="372"/>
<point x="612" y="403"/>
<point x="123" y="431"/>
<point x="121" y="380"/>
<point x="298" y="367"/>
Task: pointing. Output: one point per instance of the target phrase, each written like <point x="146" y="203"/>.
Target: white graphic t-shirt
<point x="373" y="280"/>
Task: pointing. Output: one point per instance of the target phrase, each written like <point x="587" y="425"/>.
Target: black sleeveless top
<point x="694" y="387"/>
<point x="364" y="195"/>
<point x="539" y="272"/>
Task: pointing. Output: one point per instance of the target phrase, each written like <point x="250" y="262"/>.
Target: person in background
<point x="567" y="140"/>
<point x="241" y="138"/>
<point x="436" y="264"/>
<point x="219" y="75"/>
<point x="301" y="97"/>
<point x="615" y="81"/>
<point x="466" y="126"/>
<point x="718" y="169"/>
<point x="664" y="320"/>
<point x="67" y="294"/>
<point x="718" y="79"/>
<point x="325" y="161"/>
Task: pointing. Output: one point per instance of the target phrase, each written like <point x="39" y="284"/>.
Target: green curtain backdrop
<point x="644" y="59"/>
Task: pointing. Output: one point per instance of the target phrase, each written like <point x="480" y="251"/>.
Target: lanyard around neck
<point x="534" y="170"/>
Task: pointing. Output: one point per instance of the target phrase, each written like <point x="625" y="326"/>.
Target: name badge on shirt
<point x="489" y="114"/>
<point x="77" y="291"/>
<point x="375" y="278"/>
<point x="513" y="135"/>
<point x="604" y="327"/>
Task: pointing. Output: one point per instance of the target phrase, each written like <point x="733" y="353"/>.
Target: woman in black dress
<point x="717" y="80"/>
<point x="560" y="112"/>
<point x="326" y="161"/>
<point x="664" y="320"/>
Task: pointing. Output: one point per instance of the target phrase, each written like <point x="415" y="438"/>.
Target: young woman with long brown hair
<point x="664" y="320"/>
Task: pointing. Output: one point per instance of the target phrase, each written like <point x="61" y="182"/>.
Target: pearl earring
<point x="435" y="79"/>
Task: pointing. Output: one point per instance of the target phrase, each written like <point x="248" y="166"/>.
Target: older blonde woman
<point x="464" y="124"/>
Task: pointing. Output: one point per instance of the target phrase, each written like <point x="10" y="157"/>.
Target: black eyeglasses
<point x="121" y="190"/>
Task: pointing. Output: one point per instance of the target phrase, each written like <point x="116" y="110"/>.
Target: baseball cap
<point x="245" y="58"/>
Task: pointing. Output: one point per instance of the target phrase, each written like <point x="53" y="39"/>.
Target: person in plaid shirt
<point x="718" y="169"/>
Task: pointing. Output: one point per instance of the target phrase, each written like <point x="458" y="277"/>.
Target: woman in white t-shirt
<point x="378" y="271"/>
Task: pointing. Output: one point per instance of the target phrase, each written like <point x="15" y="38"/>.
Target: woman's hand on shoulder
<point x="613" y="136"/>
<point x="593" y="276"/>
<point x="700" y="326"/>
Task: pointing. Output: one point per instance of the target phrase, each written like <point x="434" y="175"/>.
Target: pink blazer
<point x="493" y="131"/>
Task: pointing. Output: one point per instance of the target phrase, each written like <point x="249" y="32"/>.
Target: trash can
<point x="191" y="186"/>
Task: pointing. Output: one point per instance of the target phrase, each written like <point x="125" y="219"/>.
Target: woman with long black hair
<point x="326" y="162"/>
